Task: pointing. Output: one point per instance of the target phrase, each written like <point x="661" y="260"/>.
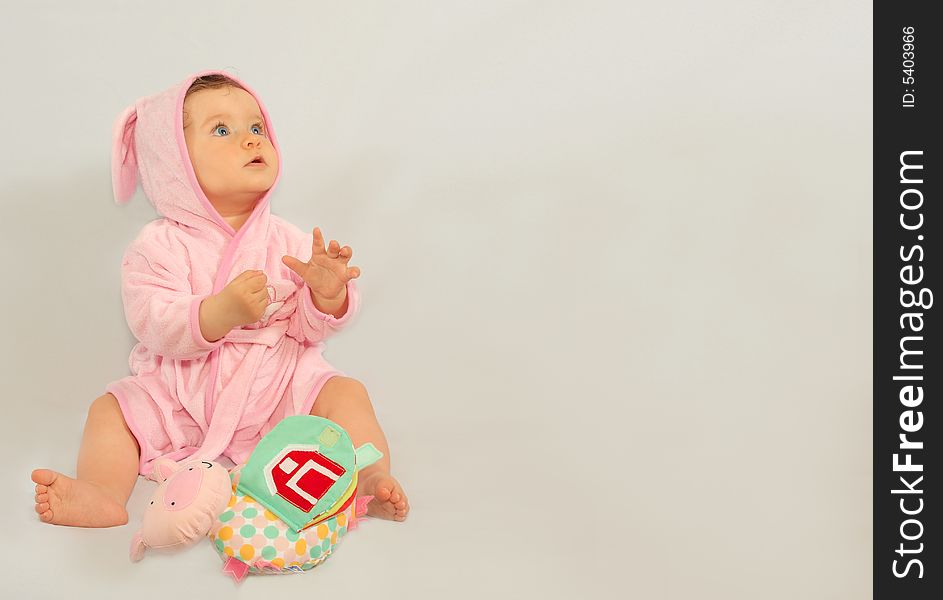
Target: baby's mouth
<point x="258" y="160"/>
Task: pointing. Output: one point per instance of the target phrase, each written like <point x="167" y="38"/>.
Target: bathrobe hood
<point x="148" y="146"/>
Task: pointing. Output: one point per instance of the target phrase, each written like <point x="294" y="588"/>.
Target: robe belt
<point x="233" y="397"/>
<point x="267" y="336"/>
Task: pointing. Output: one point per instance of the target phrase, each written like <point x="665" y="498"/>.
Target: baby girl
<point x="231" y="322"/>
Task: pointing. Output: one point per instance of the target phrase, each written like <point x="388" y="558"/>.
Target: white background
<point x="616" y="278"/>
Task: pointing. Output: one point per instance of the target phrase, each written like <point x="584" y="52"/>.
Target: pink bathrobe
<point x="187" y="397"/>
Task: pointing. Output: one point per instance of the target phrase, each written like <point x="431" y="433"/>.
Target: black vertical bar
<point x="907" y="171"/>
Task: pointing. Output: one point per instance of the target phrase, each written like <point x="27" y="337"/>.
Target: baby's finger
<point x="257" y="282"/>
<point x="353" y="273"/>
<point x="246" y="275"/>
<point x="333" y="248"/>
<point x="294" y="264"/>
<point x="317" y="244"/>
<point x="346" y="253"/>
<point x="258" y="296"/>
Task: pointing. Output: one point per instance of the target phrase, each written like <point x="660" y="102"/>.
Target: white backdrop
<point x="616" y="277"/>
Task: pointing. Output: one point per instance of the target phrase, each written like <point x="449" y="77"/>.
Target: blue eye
<point x="221" y="126"/>
<point x="259" y="127"/>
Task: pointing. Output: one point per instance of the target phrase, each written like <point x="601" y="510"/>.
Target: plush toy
<point x="283" y="511"/>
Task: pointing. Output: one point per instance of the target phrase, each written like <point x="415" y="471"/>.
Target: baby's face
<point x="224" y="131"/>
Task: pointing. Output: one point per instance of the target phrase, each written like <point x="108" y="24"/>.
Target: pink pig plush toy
<point x="184" y="506"/>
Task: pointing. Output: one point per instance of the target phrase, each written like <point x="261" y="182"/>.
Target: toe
<point x="41" y="489"/>
<point x="396" y="492"/>
<point x="46" y="516"/>
<point x="42" y="507"/>
<point x="382" y="493"/>
<point x="42" y="498"/>
<point x="44" y="476"/>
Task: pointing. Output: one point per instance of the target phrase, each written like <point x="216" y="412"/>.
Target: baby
<point x="231" y="322"/>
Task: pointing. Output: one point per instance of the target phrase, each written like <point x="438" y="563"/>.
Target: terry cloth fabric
<point x="186" y="397"/>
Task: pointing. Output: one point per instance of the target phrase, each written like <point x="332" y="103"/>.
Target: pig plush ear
<point x="163" y="468"/>
<point x="137" y="547"/>
<point x="124" y="162"/>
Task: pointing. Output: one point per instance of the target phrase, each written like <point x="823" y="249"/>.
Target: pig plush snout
<point x="183" y="488"/>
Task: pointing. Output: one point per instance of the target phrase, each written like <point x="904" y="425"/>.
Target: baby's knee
<point x="339" y="392"/>
<point x="106" y="405"/>
<point x="347" y="387"/>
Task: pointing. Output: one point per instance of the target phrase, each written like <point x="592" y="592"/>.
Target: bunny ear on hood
<point x="124" y="162"/>
<point x="149" y="147"/>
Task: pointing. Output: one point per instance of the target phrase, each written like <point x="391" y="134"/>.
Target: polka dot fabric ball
<point x="252" y="534"/>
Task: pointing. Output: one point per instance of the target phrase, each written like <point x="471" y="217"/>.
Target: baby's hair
<point x="208" y="82"/>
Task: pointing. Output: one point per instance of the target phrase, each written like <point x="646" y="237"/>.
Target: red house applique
<point x="302" y="475"/>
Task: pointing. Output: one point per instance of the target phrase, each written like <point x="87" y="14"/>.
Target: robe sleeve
<point x="162" y="311"/>
<point x="315" y="325"/>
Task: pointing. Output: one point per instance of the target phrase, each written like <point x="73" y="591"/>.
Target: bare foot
<point x="61" y="500"/>
<point x="389" y="501"/>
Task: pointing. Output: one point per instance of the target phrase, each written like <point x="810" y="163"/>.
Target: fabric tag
<point x="329" y="437"/>
<point x="236" y="568"/>
<point x="367" y="455"/>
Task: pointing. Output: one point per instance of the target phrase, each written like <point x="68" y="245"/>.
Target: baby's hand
<point x="326" y="273"/>
<point x="244" y="299"/>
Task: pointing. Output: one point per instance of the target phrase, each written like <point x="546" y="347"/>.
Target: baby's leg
<point x="345" y="401"/>
<point x="106" y="473"/>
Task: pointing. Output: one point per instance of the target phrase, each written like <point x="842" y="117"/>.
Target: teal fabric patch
<point x="297" y="437"/>
<point x="367" y="455"/>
